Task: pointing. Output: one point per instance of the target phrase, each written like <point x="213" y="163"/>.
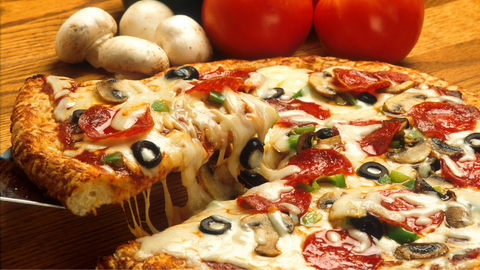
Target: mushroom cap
<point x="131" y="57"/>
<point x="82" y="32"/>
<point x="184" y="40"/>
<point x="142" y="18"/>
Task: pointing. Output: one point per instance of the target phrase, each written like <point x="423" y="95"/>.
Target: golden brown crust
<point x="83" y="187"/>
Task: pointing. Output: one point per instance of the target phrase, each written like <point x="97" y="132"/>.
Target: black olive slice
<point x="274" y="93"/>
<point x="141" y="146"/>
<point x="372" y="170"/>
<point x="367" y="98"/>
<point x="435" y="164"/>
<point x="473" y="140"/>
<point x="76" y="115"/>
<point x="215" y="225"/>
<point x="252" y="154"/>
<point x="324" y="133"/>
<point x="251" y="179"/>
<point x="185" y="72"/>
<point x="368" y="224"/>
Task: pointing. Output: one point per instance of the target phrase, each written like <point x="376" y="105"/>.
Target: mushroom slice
<point x="305" y="141"/>
<point x="400" y="104"/>
<point x="321" y="82"/>
<point x="266" y="233"/>
<point x="416" y="251"/>
<point x="112" y="91"/>
<point x="414" y="152"/>
<point x="399" y="88"/>
<point x="442" y="148"/>
<point x="328" y="199"/>
<point x="457" y="217"/>
<point x="422" y="186"/>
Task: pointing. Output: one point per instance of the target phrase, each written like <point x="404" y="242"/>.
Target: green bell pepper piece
<point x="216" y="97"/>
<point x="399" y="234"/>
<point x="159" y="106"/>
<point x="114" y="159"/>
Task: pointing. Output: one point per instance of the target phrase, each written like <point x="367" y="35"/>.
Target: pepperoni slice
<point x="324" y="254"/>
<point x="217" y="84"/>
<point x="289" y="122"/>
<point x="439" y="119"/>
<point x="221" y="72"/>
<point x="315" y="162"/>
<point x="359" y="81"/>
<point x="410" y="223"/>
<point x="377" y="142"/>
<point x="95" y="122"/>
<point x="471" y="172"/>
<point x="297" y="197"/>
<point x="296" y="104"/>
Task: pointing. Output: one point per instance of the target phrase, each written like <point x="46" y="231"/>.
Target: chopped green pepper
<point x="351" y="99"/>
<point x="216" y="97"/>
<point x="385" y="179"/>
<point x="340" y="101"/>
<point x="305" y="187"/>
<point x="305" y="90"/>
<point x="410" y="184"/>
<point x="398" y="177"/>
<point x="292" y="141"/>
<point x="413" y="133"/>
<point x="114" y="159"/>
<point x="300" y="130"/>
<point x="396" y="144"/>
<point x="159" y="106"/>
<point x="311" y="218"/>
<point x="337" y="180"/>
<point x="399" y="234"/>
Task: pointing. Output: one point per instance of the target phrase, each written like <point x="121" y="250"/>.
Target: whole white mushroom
<point x="81" y="35"/>
<point x="142" y="18"/>
<point x="183" y="40"/>
<point x="132" y="58"/>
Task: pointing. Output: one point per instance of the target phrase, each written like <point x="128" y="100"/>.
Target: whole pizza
<point x="289" y="163"/>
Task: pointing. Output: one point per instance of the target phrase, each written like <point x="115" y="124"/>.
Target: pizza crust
<point x="82" y="187"/>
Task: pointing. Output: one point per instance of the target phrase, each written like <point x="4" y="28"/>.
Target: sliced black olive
<point x="274" y="93"/>
<point x="251" y="179"/>
<point x="473" y="140"/>
<point x="305" y="141"/>
<point x="324" y="133"/>
<point x="368" y="224"/>
<point x="435" y="164"/>
<point x="144" y="145"/>
<point x="185" y="72"/>
<point x="252" y="154"/>
<point x="372" y="170"/>
<point x="76" y="115"/>
<point x="215" y="225"/>
<point x="367" y="98"/>
<point x="416" y="251"/>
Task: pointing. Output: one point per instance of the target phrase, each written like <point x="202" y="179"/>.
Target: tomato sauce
<point x="324" y="254"/>
<point x="217" y="84"/>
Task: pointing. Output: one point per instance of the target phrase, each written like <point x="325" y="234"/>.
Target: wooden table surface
<point x="40" y="237"/>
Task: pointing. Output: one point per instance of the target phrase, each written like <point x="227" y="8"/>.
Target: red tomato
<point x="381" y="30"/>
<point x="251" y="29"/>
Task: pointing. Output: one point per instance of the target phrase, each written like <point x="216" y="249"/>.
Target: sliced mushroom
<point x="321" y="82"/>
<point x="328" y="199"/>
<point x="265" y="232"/>
<point x="399" y="88"/>
<point x="416" y="251"/>
<point x="112" y="91"/>
<point x="400" y="104"/>
<point x="457" y="217"/>
<point x="414" y="152"/>
<point x="422" y="186"/>
<point x="305" y="141"/>
<point x="329" y="142"/>
<point x="442" y="148"/>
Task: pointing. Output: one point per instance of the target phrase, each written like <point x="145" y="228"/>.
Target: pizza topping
<point x="367" y="98"/>
<point x="185" y="72"/>
<point x="368" y="224"/>
<point x="328" y="199"/>
<point x="335" y="249"/>
<point x="315" y="163"/>
<point x="268" y="228"/>
<point x="76" y="115"/>
<point x="275" y="92"/>
<point x="215" y="225"/>
<point x="325" y="133"/>
<point x="420" y="251"/>
<point x="462" y="173"/>
<point x="442" y="148"/>
<point x="305" y="141"/>
<point x="114" y="159"/>
<point x="457" y="217"/>
<point x="250" y="178"/>
<point x="147" y="153"/>
<point x="399" y="88"/>
<point x="217" y="84"/>
<point x="321" y="82"/>
<point x="399" y="234"/>
<point x="296" y="104"/>
<point x="252" y="154"/>
<point x="412" y="152"/>
<point x="401" y="104"/>
<point x="422" y="186"/>
<point x="111" y="91"/>
<point x="438" y="119"/>
<point x="377" y="142"/>
<point x="473" y="140"/>
<point x="372" y="170"/>
<point x="360" y="81"/>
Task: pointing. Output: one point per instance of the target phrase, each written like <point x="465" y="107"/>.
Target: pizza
<point x="289" y="163"/>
